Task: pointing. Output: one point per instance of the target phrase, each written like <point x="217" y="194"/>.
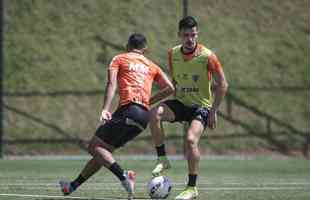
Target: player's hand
<point x="212" y="119"/>
<point x="105" y="116"/>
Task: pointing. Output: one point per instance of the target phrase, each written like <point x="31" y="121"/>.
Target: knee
<point x="192" y="150"/>
<point x="91" y="149"/>
<point x="191" y="141"/>
<point x="96" y="149"/>
<point x="156" y="114"/>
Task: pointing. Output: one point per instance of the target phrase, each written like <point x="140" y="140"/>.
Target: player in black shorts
<point x="134" y="75"/>
<point x="184" y="113"/>
<point x="127" y="121"/>
<point x="194" y="69"/>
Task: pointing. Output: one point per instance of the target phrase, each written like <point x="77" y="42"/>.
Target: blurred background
<point x="55" y="55"/>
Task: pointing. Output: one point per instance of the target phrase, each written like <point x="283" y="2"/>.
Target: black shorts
<point x="127" y="122"/>
<point x="184" y="113"/>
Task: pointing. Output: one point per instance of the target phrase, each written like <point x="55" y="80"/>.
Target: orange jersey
<point x="135" y="77"/>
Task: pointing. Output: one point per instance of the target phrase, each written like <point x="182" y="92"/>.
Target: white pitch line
<point x="201" y="189"/>
<point x="177" y="187"/>
<point x="56" y="197"/>
<point x="181" y="188"/>
<point x="253" y="188"/>
<point x="143" y="183"/>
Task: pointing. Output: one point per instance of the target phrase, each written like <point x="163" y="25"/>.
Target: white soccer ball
<point x="159" y="187"/>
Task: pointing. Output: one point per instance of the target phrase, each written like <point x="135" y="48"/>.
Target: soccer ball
<point x="159" y="187"/>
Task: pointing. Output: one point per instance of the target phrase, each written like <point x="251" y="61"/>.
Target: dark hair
<point x="136" y="41"/>
<point x="187" y="22"/>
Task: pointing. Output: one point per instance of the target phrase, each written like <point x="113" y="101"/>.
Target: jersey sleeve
<point x="115" y="63"/>
<point x="158" y="74"/>
<point x="159" y="78"/>
<point x="214" y="63"/>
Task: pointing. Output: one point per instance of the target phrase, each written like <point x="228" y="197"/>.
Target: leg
<point x="102" y="156"/>
<point x="127" y="122"/>
<point x="95" y="164"/>
<point x="192" y="150"/>
<point x="158" y="115"/>
<point x="101" y="152"/>
<point x="193" y="135"/>
<point x="92" y="166"/>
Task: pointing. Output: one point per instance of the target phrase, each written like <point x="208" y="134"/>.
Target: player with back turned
<point x="134" y="75"/>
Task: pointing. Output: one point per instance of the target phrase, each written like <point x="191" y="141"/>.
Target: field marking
<point x="201" y="189"/>
<point x="181" y="187"/>
<point x="205" y="189"/>
<point x="204" y="186"/>
<point x="174" y="183"/>
<point x="253" y="188"/>
<point x="57" y="197"/>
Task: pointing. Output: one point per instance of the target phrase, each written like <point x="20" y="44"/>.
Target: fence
<point x="231" y="103"/>
<point x="53" y="77"/>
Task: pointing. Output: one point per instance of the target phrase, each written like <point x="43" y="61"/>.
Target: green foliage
<point x="65" y="45"/>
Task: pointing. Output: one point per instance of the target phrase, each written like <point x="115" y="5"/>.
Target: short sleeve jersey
<point x="192" y="74"/>
<point x="136" y="74"/>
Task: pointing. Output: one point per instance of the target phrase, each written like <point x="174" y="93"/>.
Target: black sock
<point x="117" y="171"/>
<point x="161" y="150"/>
<point x="192" y="180"/>
<point x="77" y="182"/>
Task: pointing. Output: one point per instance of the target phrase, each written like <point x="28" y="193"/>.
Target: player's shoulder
<point x="122" y="55"/>
<point x="118" y="57"/>
<point x="155" y="65"/>
<point x="175" y="48"/>
<point x="204" y="50"/>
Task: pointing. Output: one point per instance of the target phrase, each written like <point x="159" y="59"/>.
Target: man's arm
<point x="166" y="88"/>
<point x="109" y="94"/>
<point x="220" y="89"/>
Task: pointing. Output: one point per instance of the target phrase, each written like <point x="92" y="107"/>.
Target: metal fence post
<point x="185" y="8"/>
<point x="229" y="106"/>
<point x="1" y="77"/>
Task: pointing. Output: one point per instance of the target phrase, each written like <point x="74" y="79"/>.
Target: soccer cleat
<point x="187" y="194"/>
<point x="161" y="165"/>
<point x="66" y="187"/>
<point x="129" y="183"/>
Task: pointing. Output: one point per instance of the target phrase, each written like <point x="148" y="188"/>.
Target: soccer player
<point x="193" y="69"/>
<point x="134" y="75"/>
